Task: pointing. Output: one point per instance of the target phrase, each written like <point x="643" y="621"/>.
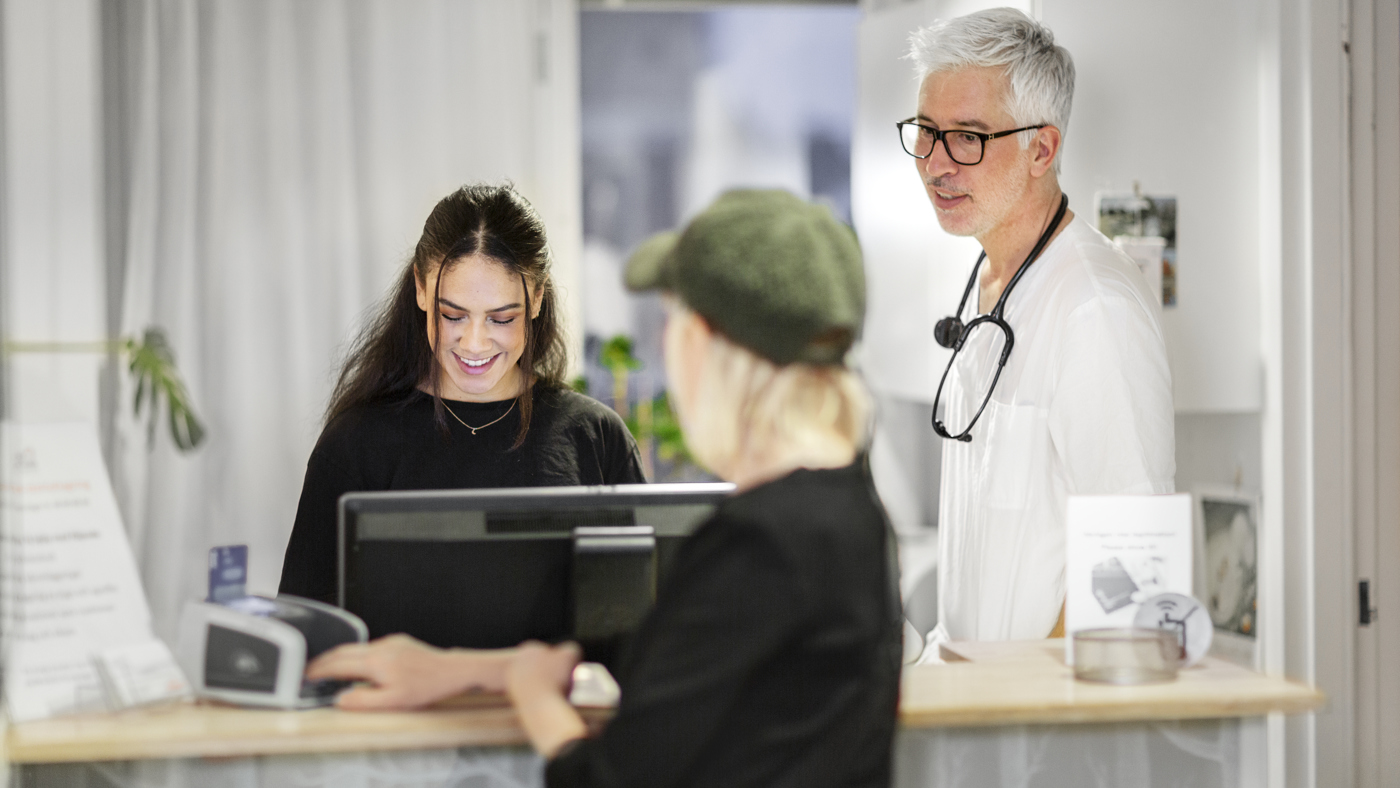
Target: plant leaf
<point x="153" y="365"/>
<point x="616" y="355"/>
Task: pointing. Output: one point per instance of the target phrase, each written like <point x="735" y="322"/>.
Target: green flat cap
<point x="771" y="272"/>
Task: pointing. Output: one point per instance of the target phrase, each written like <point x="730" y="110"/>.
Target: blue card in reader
<point x="228" y="573"/>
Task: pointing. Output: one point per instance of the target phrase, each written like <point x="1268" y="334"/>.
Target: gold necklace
<point x="484" y="426"/>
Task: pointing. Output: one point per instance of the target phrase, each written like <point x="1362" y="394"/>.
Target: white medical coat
<point x="1084" y="405"/>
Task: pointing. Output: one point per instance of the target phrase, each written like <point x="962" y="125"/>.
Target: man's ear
<point x="1045" y="147"/>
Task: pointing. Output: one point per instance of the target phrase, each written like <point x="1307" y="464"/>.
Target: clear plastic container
<point x="1126" y="655"/>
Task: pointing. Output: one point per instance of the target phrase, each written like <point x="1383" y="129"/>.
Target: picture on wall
<point x="1227" y="544"/>
<point x="1141" y="215"/>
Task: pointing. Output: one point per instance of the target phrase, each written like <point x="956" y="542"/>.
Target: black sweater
<point x="572" y="440"/>
<point x="772" y="656"/>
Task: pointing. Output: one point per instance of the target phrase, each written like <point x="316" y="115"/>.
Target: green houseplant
<point x="151" y="363"/>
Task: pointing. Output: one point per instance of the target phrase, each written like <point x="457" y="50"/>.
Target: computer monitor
<point x="492" y="568"/>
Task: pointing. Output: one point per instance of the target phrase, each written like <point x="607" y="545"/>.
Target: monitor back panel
<point x="489" y="569"/>
<point x="468" y="594"/>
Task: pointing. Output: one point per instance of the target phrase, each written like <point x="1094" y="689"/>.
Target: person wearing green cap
<point x="772" y="656"/>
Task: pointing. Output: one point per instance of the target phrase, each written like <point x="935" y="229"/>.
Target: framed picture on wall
<point x="1227" y="569"/>
<point x="1134" y="214"/>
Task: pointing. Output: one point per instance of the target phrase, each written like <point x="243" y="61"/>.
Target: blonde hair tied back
<point x="746" y="405"/>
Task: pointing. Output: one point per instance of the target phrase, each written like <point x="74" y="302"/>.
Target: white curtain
<point x="278" y="160"/>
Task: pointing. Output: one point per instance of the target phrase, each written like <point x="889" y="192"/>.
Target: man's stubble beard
<point x="991" y="204"/>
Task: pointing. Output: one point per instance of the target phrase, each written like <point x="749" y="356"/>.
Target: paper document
<point x="68" y="584"/>
<point x="1122" y="550"/>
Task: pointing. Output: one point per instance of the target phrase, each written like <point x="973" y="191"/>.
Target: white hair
<point x="747" y="405"/>
<point x="1041" y="75"/>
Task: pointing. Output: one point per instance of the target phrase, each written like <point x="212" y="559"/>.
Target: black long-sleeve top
<point x="572" y="440"/>
<point x="772" y="656"/>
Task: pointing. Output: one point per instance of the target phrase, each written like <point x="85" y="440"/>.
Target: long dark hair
<point x="392" y="355"/>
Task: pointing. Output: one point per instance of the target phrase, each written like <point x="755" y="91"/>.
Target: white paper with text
<point x="68" y="583"/>
<point x="1120" y="551"/>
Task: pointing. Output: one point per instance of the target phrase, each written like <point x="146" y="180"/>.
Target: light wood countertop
<point x="186" y="730"/>
<point x="1028" y="682"/>
<point x="998" y="684"/>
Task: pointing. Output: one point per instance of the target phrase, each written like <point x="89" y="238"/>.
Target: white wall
<point x="555" y="180"/>
<point x="1167" y="94"/>
<point x="1375" y="289"/>
<point x="1308" y="436"/>
<point x="52" y="207"/>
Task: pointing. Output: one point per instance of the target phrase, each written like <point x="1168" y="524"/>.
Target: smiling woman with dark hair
<point x="457" y="383"/>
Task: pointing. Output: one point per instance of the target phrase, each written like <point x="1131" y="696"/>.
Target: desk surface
<point x="994" y="684"/>
<point x="1027" y="682"/>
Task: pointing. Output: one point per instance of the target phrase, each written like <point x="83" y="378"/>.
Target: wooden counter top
<point x="189" y="730"/>
<point x="1026" y="682"/>
<point x="997" y="684"/>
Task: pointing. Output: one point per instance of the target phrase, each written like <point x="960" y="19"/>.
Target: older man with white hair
<point x="1058" y="383"/>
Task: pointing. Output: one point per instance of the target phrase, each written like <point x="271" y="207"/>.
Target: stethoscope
<point x="951" y="333"/>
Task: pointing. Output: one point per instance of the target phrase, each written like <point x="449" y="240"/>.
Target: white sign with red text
<point x="68" y="584"/>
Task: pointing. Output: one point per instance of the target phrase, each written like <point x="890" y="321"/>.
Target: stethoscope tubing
<point x="995" y="316"/>
<point x="999" y="308"/>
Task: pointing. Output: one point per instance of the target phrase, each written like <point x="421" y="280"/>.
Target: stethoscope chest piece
<point x="948" y="332"/>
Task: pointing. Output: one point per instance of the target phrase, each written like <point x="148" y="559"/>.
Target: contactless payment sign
<point x="228" y="573"/>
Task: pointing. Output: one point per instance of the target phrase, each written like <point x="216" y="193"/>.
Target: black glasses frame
<point x="939" y="135"/>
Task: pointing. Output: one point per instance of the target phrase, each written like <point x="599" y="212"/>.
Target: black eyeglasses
<point x="963" y="146"/>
